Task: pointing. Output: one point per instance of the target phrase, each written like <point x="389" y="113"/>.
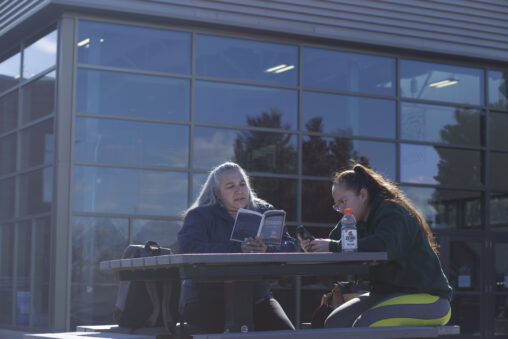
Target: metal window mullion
<point x="190" y="177"/>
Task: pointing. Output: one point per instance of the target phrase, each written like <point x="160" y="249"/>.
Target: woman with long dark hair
<point x="410" y="289"/>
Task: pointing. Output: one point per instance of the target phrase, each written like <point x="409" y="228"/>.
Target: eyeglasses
<point x="338" y="207"/>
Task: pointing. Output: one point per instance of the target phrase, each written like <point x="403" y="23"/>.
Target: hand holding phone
<point x="303" y="234"/>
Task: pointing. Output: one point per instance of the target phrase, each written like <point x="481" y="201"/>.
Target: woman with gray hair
<point x="207" y="228"/>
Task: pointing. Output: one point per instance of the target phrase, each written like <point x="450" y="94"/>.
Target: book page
<point x="273" y="226"/>
<point x="246" y="225"/>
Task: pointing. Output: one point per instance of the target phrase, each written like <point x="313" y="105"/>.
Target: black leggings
<point x="268" y="315"/>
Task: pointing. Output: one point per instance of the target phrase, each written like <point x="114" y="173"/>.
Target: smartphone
<point x="303" y="233"/>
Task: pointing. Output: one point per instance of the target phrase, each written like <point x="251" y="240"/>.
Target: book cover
<point x="269" y="226"/>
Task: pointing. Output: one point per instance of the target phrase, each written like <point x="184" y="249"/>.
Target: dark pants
<point x="209" y="316"/>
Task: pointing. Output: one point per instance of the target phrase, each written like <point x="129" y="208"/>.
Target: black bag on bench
<point x="147" y="303"/>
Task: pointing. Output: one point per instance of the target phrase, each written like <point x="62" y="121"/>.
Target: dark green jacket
<point x="412" y="265"/>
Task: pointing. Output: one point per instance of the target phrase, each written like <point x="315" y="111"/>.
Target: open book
<point x="268" y="226"/>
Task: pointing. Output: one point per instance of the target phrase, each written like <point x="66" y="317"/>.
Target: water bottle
<point x="349" y="239"/>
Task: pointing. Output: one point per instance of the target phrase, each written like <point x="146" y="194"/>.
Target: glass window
<point x="93" y="292"/>
<point x="128" y="142"/>
<point x="130" y="191"/>
<point x="42" y="256"/>
<point x="38" y="98"/>
<point x="9" y="112"/>
<point x="165" y="232"/>
<point x="440" y="82"/>
<point x="37" y="144"/>
<point x="198" y="180"/>
<point x="498" y="211"/>
<point x="23" y="268"/>
<point x="501" y="267"/>
<point x="466" y="314"/>
<point x="466" y="265"/>
<point x="132" y="95"/>
<point x="7" y="198"/>
<point x="348" y="115"/>
<point x="40" y="55"/>
<point x="221" y="57"/>
<point x="281" y="193"/>
<point x="439" y="165"/>
<point x="498" y="122"/>
<point x="8" y="154"/>
<point x="444" y="124"/>
<point x="501" y="315"/>
<point x="498" y="89"/>
<point x="325" y="156"/>
<point x="9" y="71"/>
<point x="36" y="190"/>
<point x="6" y="272"/>
<point x="134" y="47"/>
<point x="257" y="151"/>
<point x="317" y="202"/>
<point x="498" y="166"/>
<point x="352" y="72"/>
<point x="243" y="105"/>
<point x="446" y="208"/>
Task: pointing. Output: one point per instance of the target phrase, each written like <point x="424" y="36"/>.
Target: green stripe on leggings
<point x="413" y="322"/>
<point x="419" y="298"/>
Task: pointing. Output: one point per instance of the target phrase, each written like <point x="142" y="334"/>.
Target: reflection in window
<point x="125" y="46"/>
<point x="7" y="198"/>
<point x="9" y="71"/>
<point x="128" y="142"/>
<point x="501" y="315"/>
<point x="8" y="112"/>
<point x="498" y="211"/>
<point x="37" y="144"/>
<point x="40" y="55"/>
<point x="6" y="271"/>
<point x="23" y="267"/>
<point x="501" y="267"/>
<point x="281" y="193"/>
<point x="447" y="208"/>
<point x="41" y="272"/>
<point x="133" y="95"/>
<point x="440" y="82"/>
<point x="443" y="124"/>
<point x="8" y="154"/>
<point x="465" y="269"/>
<point x="93" y="292"/>
<point x="230" y="58"/>
<point x="498" y="122"/>
<point x="130" y="191"/>
<point x="498" y="89"/>
<point x="36" y="191"/>
<point x="317" y="202"/>
<point x="163" y="231"/>
<point x="38" y="98"/>
<point x="243" y="105"/>
<point x="352" y="72"/>
<point x="498" y="166"/>
<point x="466" y="313"/>
<point x="325" y="156"/>
<point x="348" y="115"/>
<point x="198" y="180"/>
<point x="439" y="165"/>
<point x="256" y="151"/>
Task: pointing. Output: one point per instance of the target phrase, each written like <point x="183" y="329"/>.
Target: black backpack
<point x="147" y="303"/>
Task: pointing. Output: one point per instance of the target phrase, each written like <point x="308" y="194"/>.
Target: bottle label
<point x="349" y="240"/>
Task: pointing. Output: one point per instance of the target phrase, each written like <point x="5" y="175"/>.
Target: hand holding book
<point x="253" y="245"/>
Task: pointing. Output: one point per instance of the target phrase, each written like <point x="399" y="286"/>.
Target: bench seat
<point x="345" y="333"/>
<point x="86" y="335"/>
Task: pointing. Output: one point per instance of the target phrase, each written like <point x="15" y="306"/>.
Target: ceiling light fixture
<point x="444" y="83"/>
<point x="275" y="68"/>
<point x="83" y="42"/>
<point x="284" y="69"/>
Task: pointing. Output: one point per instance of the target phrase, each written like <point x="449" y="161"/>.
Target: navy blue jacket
<point x="208" y="229"/>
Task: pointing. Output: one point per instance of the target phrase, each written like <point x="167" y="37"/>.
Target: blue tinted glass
<point x="135" y="95"/>
<point x="439" y="165"/>
<point x="129" y="142"/>
<point x="324" y="156"/>
<point x="42" y="239"/>
<point x="134" y="47"/>
<point x="348" y="115"/>
<point x="246" y="60"/>
<point x="498" y="124"/>
<point x="37" y="143"/>
<point x="446" y="208"/>
<point x="253" y="150"/>
<point x="38" y="98"/>
<point x="428" y="81"/>
<point x="7" y="197"/>
<point x="446" y="124"/>
<point x="198" y="180"/>
<point x="243" y="105"/>
<point x="9" y="71"/>
<point x="498" y="211"/>
<point x="36" y="192"/>
<point x="6" y="271"/>
<point x="498" y="166"/>
<point x="8" y="154"/>
<point x="40" y="55"/>
<point x="129" y="191"/>
<point x="8" y="112"/>
<point x="352" y="72"/>
<point x="498" y="89"/>
<point x="163" y="230"/>
<point x="281" y="193"/>
<point x="23" y="272"/>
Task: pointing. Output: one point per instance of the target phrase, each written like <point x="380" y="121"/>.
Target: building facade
<point x="112" y="113"/>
